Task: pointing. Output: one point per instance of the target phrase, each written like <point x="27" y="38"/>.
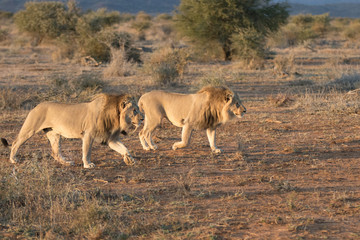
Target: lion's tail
<point x="5" y="142"/>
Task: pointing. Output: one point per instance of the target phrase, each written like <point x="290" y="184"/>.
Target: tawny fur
<point x="206" y="109"/>
<point x="101" y="120"/>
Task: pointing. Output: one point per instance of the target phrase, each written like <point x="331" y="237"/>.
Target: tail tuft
<point x="5" y="142"/>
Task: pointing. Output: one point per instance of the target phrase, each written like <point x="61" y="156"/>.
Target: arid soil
<point x="290" y="167"/>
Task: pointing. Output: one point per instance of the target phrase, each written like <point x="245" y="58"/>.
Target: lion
<point x="101" y="120"/>
<point x="206" y="109"/>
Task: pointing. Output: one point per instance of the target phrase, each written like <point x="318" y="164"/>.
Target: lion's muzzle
<point x="243" y="112"/>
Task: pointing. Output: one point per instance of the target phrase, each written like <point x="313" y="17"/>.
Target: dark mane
<point x="211" y="113"/>
<point x="108" y="121"/>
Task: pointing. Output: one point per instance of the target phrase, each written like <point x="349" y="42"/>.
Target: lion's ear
<point x="123" y="104"/>
<point x="228" y="97"/>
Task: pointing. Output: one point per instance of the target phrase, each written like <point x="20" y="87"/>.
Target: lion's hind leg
<point x="143" y="141"/>
<point x="31" y="126"/>
<point x="55" y="141"/>
<point x="22" y="137"/>
<point x="146" y="134"/>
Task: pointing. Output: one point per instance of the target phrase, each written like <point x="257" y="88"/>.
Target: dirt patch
<point x="287" y="171"/>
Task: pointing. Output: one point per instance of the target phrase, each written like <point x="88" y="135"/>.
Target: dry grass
<point x="119" y="65"/>
<point x="167" y="65"/>
<point x="288" y="171"/>
<point x="284" y="65"/>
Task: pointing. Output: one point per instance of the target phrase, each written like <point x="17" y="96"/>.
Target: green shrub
<point x="76" y="34"/>
<point x="44" y="19"/>
<point x="164" y="17"/>
<point x="96" y="37"/>
<point x="211" y="21"/>
<point x="6" y="15"/>
<point x="126" y="17"/>
<point x="300" y="29"/>
<point x="93" y="22"/>
<point x="141" y="22"/>
<point x="4" y="35"/>
<point x="352" y="31"/>
<point x="287" y="36"/>
<point x="91" y="46"/>
<point x="321" y="24"/>
<point x="123" y="41"/>
<point x="249" y="44"/>
<point x="66" y="47"/>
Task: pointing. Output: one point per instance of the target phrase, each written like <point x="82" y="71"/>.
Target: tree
<point x="204" y="21"/>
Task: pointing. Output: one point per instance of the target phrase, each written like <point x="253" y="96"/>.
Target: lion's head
<point x="234" y="107"/>
<point x="222" y="106"/>
<point x="120" y="113"/>
<point x="130" y="116"/>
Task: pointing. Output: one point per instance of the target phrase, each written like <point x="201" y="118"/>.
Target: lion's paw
<point x="178" y="145"/>
<point x="14" y="160"/>
<point x="147" y="148"/>
<point x="129" y="160"/>
<point x="70" y="163"/>
<point x="65" y="162"/>
<point x="216" y="150"/>
<point x="89" y="165"/>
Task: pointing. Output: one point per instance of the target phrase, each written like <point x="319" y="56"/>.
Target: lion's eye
<point x="237" y="105"/>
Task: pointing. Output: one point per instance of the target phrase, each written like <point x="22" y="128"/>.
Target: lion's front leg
<point x="86" y="148"/>
<point x="185" y="137"/>
<point x="120" y="148"/>
<point x="211" y="134"/>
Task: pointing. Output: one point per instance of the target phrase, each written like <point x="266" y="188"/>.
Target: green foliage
<point x="44" y="19"/>
<point x="352" y="31"/>
<point x="312" y="25"/>
<point x="249" y="44"/>
<point x="208" y="21"/>
<point x="141" y="22"/>
<point x="123" y="41"/>
<point x="5" y="15"/>
<point x="93" y="22"/>
<point x="77" y="34"/>
<point x="91" y="35"/>
<point x="164" y="16"/>
<point x="302" y="28"/>
<point x="4" y="34"/>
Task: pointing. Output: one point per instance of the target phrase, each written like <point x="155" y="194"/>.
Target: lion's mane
<point x="211" y="113"/>
<point x="108" y="119"/>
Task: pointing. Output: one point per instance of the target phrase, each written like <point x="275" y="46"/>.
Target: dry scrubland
<point x="290" y="168"/>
